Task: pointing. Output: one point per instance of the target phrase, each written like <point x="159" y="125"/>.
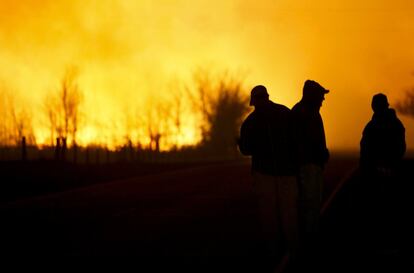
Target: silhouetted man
<point x="382" y="149"/>
<point x="266" y="136"/>
<point x="312" y="154"/>
<point x="383" y="139"/>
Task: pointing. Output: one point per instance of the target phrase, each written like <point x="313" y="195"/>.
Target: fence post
<point x="24" y="149"/>
<point x="87" y="155"/>
<point x="57" y="149"/>
<point x="64" y="148"/>
<point x="75" y="152"/>
<point x="107" y="155"/>
<point x="97" y="155"/>
<point x="131" y="151"/>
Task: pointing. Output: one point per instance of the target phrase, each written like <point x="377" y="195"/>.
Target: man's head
<point x="259" y="96"/>
<point x="379" y="103"/>
<point x="314" y="93"/>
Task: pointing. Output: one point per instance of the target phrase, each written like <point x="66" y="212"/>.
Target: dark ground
<point x="366" y="228"/>
<point x="198" y="213"/>
<point x="21" y="179"/>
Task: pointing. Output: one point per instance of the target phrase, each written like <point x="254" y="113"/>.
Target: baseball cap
<point x="259" y="92"/>
<point x="311" y="87"/>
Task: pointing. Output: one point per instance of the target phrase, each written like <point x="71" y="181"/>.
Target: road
<point x="206" y="212"/>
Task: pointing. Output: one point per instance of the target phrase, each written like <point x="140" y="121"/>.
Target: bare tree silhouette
<point x="71" y="98"/>
<point x="63" y="107"/>
<point x="406" y="106"/>
<point x="128" y="119"/>
<point x="51" y="108"/>
<point x="222" y="103"/>
<point x="22" y="123"/>
<point x="15" y="121"/>
<point x="5" y="119"/>
<point x="158" y="124"/>
<point x="177" y="109"/>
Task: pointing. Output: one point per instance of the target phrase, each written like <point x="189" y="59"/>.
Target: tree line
<point x="218" y="101"/>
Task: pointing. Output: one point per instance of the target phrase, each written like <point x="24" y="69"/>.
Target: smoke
<point x="128" y="51"/>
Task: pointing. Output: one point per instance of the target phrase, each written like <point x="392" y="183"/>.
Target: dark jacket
<point x="310" y="134"/>
<point x="383" y="141"/>
<point x="266" y="135"/>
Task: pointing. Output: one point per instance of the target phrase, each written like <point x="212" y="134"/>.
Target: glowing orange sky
<point x="129" y="51"/>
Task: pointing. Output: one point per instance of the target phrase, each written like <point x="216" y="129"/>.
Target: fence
<point x="103" y="155"/>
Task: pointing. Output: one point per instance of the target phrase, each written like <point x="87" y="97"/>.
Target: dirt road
<point x="199" y="212"/>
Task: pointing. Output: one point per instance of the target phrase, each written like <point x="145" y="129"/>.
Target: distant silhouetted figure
<point x="383" y="139"/>
<point x="266" y="136"/>
<point x="313" y="154"/>
<point x="382" y="149"/>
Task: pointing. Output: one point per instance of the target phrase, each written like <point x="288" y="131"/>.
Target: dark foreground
<point x="203" y="213"/>
<point x="366" y="228"/>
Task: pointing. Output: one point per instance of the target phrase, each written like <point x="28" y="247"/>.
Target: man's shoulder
<point x="395" y="119"/>
<point x="279" y="107"/>
<point x="297" y="106"/>
<point x="298" y="109"/>
<point x="250" y="117"/>
<point x="368" y="127"/>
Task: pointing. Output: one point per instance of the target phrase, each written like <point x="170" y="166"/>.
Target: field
<point x="200" y="211"/>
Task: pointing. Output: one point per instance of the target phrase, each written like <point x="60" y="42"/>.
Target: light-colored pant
<point x="278" y="208"/>
<point x="310" y="191"/>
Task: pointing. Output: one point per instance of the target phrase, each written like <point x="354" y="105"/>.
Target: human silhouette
<point x="312" y="156"/>
<point x="383" y="139"/>
<point x="382" y="148"/>
<point x="266" y="136"/>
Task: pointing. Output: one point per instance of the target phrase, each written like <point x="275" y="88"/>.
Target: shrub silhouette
<point x="222" y="103"/>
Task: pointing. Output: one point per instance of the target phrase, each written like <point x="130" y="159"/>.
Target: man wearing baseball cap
<point x="312" y="155"/>
<point x="266" y="136"/>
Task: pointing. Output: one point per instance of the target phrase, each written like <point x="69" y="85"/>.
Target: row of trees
<point x="218" y="100"/>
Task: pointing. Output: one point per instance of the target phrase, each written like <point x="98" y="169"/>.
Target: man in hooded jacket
<point x="313" y="155"/>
